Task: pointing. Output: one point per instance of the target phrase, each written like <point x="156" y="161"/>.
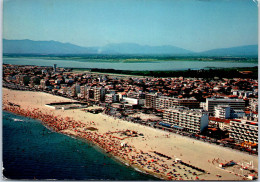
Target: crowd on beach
<point x="149" y="162"/>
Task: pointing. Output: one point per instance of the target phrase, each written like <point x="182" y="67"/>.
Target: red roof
<point x="220" y="120"/>
<point x="213" y="129"/>
<point x="232" y="96"/>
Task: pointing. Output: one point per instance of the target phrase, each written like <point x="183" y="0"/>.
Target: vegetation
<point x="250" y="72"/>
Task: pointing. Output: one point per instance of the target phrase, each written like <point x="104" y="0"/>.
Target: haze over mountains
<point x="53" y="47"/>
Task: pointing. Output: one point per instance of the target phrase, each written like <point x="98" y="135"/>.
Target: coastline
<point x="153" y="139"/>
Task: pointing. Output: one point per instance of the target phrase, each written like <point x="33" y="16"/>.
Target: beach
<point x="152" y="150"/>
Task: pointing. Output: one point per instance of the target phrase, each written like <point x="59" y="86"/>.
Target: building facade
<point x="191" y="120"/>
<point x="95" y="94"/>
<point x="150" y="100"/>
<point x="244" y="130"/>
<point x="238" y="104"/>
<point x="222" y="111"/>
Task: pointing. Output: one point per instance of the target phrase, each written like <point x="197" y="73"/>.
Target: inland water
<point x="121" y="65"/>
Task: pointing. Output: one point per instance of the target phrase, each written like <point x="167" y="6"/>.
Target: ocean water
<point x="31" y="151"/>
<point x="137" y="66"/>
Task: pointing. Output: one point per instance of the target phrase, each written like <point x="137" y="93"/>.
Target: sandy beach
<point x="139" y="151"/>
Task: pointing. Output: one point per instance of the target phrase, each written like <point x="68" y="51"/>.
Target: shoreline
<point x="140" y="150"/>
<point x="97" y="147"/>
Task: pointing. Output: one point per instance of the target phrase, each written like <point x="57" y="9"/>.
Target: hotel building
<point x="222" y="111"/>
<point x="236" y="104"/>
<point x="110" y="98"/>
<point x="150" y="100"/>
<point x="170" y="102"/>
<point x="194" y="120"/>
<point x="244" y="130"/>
<point x="95" y="94"/>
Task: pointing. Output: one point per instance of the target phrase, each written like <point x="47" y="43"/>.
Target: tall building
<point x="83" y="91"/>
<point x="110" y="98"/>
<point x="244" y="130"/>
<point x="235" y="104"/>
<point x="55" y="67"/>
<point x="150" y="100"/>
<point x="191" y="120"/>
<point x="170" y="102"/>
<point x="95" y="94"/>
<point x="254" y="104"/>
<point x="222" y="111"/>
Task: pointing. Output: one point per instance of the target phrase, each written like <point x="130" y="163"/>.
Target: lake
<point x="121" y="65"/>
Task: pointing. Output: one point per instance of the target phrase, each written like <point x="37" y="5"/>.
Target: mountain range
<point x="53" y="47"/>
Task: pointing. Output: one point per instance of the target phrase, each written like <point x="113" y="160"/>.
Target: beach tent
<point x="177" y="160"/>
<point x="251" y="177"/>
<point x="123" y="144"/>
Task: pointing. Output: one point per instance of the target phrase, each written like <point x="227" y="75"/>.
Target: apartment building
<point x="163" y="102"/>
<point x="150" y="100"/>
<point x="136" y="95"/>
<point x="254" y="104"/>
<point x="235" y="104"/>
<point x="244" y="130"/>
<point x="83" y="91"/>
<point x="222" y="111"/>
<point x="191" y="120"/>
<point x="110" y="98"/>
<point x="95" y="94"/>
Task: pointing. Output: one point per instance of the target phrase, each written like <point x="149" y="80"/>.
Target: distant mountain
<point x="132" y="48"/>
<point x="249" y="50"/>
<point x="53" y="47"/>
<point x="43" y="47"/>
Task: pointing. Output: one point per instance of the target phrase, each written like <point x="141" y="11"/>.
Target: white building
<point x="191" y="120"/>
<point x="244" y="130"/>
<point x="130" y="101"/>
<point x="233" y="103"/>
<point x="110" y="98"/>
<point x="222" y="111"/>
<point x="254" y="104"/>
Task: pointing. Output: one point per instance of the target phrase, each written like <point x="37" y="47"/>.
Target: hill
<point x="132" y="48"/>
<point x="43" y="47"/>
<point x="249" y="50"/>
<point x="53" y="47"/>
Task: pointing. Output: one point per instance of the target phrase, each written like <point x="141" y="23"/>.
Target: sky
<point x="196" y="25"/>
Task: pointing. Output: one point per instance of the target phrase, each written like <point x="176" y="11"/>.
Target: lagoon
<point x="127" y="65"/>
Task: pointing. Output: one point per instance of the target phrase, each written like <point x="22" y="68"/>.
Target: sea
<point x="161" y="65"/>
<point x="32" y="151"/>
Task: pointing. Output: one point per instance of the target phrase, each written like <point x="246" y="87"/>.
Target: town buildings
<point x="177" y="101"/>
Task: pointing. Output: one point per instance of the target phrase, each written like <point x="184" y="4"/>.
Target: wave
<point x="18" y="120"/>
